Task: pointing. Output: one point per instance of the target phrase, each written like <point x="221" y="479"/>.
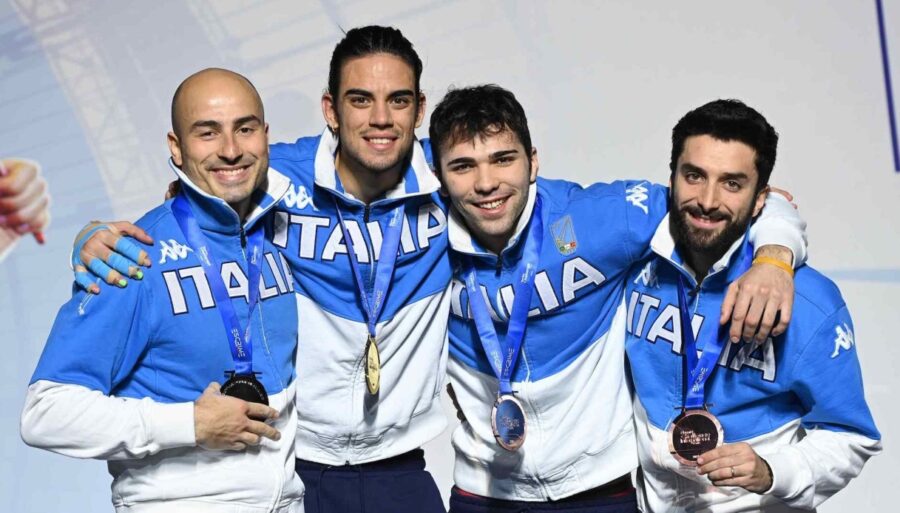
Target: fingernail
<point x="278" y="436"/>
<point x="735" y="340"/>
<point x="121" y="283"/>
<point x="23" y="229"/>
<point x="95" y="289"/>
<point x="139" y="274"/>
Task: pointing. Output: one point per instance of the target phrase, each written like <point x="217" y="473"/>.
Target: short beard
<point x="694" y="242"/>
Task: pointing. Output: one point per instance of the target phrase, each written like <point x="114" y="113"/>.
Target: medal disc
<point x="508" y="422"/>
<point x="373" y="367"/>
<point x="692" y="433"/>
<point x="246" y="387"/>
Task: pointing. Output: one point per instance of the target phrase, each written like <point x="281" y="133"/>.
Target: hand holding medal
<point x="223" y="423"/>
<point x="736" y="465"/>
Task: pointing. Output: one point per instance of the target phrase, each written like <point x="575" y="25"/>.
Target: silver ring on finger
<point x="732" y="472"/>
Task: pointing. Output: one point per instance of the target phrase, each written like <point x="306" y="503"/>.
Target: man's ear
<point x="174" y="148"/>
<point x="760" y="200"/>
<point x="420" y="112"/>
<point x="329" y="111"/>
<point x="535" y="164"/>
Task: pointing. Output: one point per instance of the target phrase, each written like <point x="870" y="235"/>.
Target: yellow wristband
<point x="777" y="263"/>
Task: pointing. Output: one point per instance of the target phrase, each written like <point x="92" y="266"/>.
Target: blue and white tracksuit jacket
<point x="120" y="371"/>
<point x="570" y="374"/>
<point x="339" y="422"/>
<point x="796" y="399"/>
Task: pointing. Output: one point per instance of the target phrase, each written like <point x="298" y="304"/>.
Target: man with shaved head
<point x="177" y="381"/>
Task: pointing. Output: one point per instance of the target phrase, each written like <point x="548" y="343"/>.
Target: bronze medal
<point x="373" y="366"/>
<point x="693" y="433"/>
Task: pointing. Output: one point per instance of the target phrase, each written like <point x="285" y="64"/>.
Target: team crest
<point x="564" y="235"/>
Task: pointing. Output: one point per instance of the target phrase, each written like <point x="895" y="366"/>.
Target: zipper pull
<point x="243" y="238"/>
<point x="366" y="214"/>
<point x="499" y="265"/>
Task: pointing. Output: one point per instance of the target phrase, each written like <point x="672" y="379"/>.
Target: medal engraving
<point x="246" y="387"/>
<point x="373" y="366"/>
<point x="508" y="422"/>
<point x="693" y="433"/>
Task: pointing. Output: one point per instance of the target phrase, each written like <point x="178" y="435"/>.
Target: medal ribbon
<point x="503" y="356"/>
<point x="384" y="271"/>
<point x="700" y="369"/>
<point x="241" y="349"/>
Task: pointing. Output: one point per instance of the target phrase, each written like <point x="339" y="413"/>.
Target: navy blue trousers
<point x="616" y="497"/>
<point x="396" y="485"/>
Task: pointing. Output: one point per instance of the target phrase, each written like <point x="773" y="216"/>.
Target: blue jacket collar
<point x="215" y="215"/>
<point x="734" y="262"/>
<point x="418" y="179"/>
<point x="462" y="241"/>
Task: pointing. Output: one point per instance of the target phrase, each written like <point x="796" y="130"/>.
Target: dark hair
<point x="368" y="40"/>
<point x="729" y="120"/>
<point x="474" y="111"/>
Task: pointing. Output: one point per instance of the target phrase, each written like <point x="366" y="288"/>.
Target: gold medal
<point x="373" y="366"/>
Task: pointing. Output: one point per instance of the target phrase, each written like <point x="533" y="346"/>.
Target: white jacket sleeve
<point x="812" y="470"/>
<point x="84" y="423"/>
<point x="780" y="224"/>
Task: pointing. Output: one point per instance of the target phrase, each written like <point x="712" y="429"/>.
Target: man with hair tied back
<point x="778" y="424"/>
<point x="537" y="321"/>
<point x="134" y="377"/>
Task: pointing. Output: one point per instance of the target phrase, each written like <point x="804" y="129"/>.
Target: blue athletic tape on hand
<point x="119" y="263"/>
<point x="99" y="268"/>
<point x="76" y="252"/>
<point x="128" y="248"/>
<point x="85" y="280"/>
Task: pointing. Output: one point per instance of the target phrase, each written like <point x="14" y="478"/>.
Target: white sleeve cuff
<point x="789" y="474"/>
<point x="780" y="225"/>
<point x="170" y="425"/>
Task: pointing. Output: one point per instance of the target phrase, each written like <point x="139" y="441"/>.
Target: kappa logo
<point x="637" y="196"/>
<point x="648" y="275"/>
<point x="299" y="198"/>
<point x="844" y="339"/>
<point x="564" y="235"/>
<point x="173" y="250"/>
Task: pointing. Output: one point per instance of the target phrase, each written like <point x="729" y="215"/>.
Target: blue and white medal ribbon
<point x="696" y="430"/>
<point x="384" y="272"/>
<point x="508" y="415"/>
<point x="239" y="342"/>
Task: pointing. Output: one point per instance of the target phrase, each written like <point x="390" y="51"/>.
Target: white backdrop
<point x="85" y="87"/>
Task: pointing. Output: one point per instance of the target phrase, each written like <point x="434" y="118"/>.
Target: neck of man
<point x="242" y="209"/>
<point x="363" y="183"/>
<point x="700" y="262"/>
<point x="495" y="245"/>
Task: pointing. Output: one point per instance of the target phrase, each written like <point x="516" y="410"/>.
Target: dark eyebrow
<point x="687" y="167"/>
<point x="401" y="92"/>
<point x="737" y="175"/>
<point x="247" y="119"/>
<point x="206" y="123"/>
<point x="368" y="94"/>
<point x="461" y="160"/>
<point x="503" y="153"/>
<point x="359" y="92"/>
